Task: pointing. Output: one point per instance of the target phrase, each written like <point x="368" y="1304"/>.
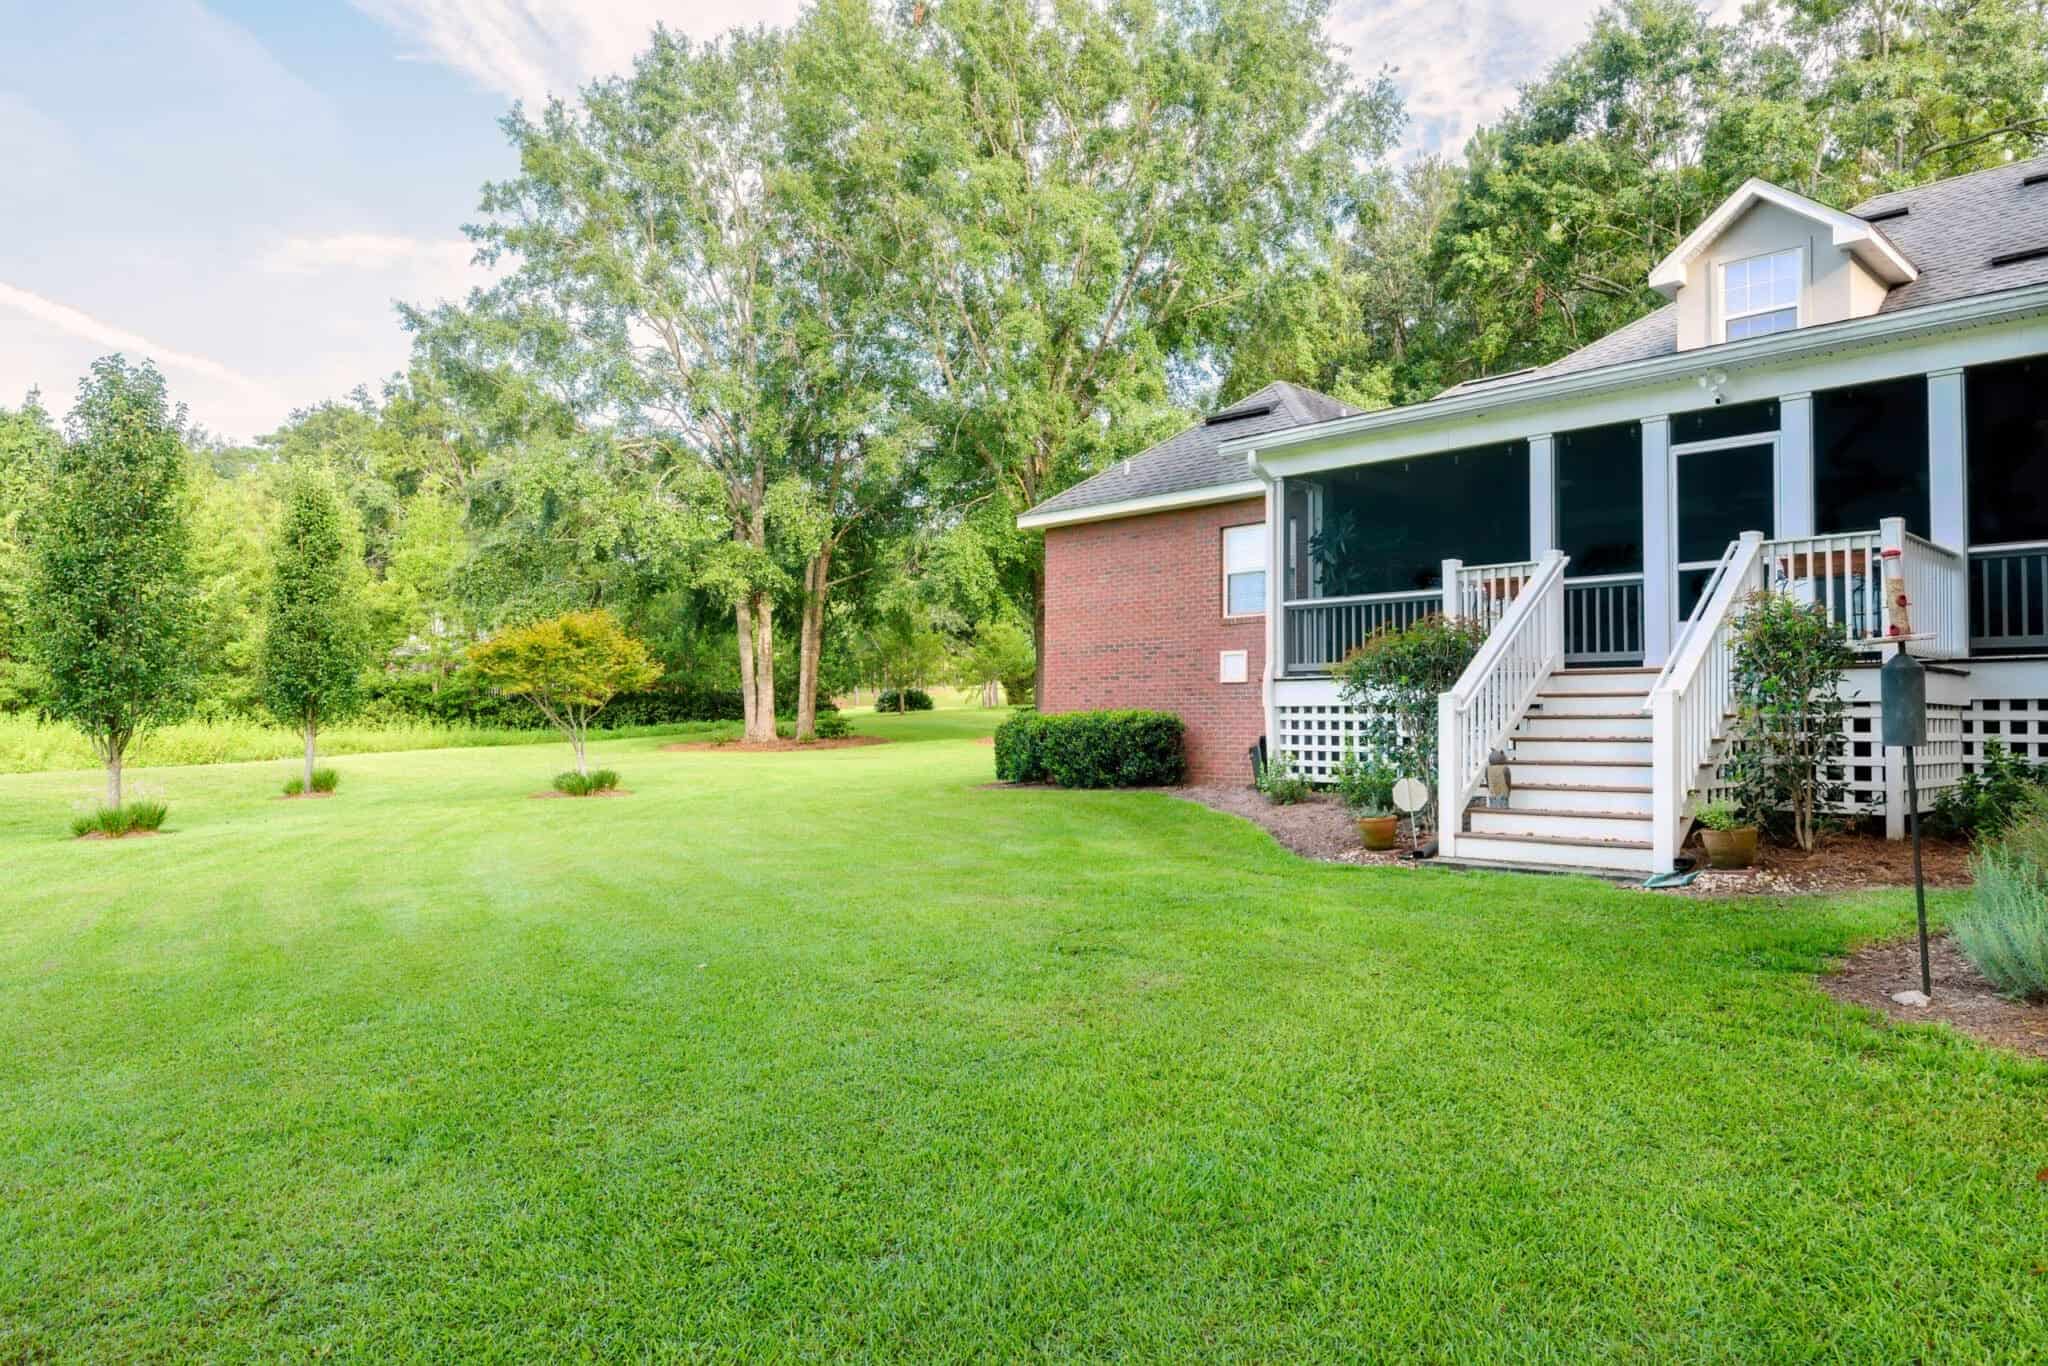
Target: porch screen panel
<point x="1388" y="527"/>
<point x="1870" y="456"/>
<point x="1729" y="419"/>
<point x="1721" y="494"/>
<point x="2005" y="409"/>
<point x="1599" y="474"/>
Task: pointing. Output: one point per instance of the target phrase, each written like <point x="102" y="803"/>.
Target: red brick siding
<point x="1134" y="618"/>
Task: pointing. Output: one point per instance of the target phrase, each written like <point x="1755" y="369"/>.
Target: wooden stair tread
<point x="1547" y="811"/>
<point x="1581" y="787"/>
<point x="1609" y="672"/>
<point x="1593" y="715"/>
<point x="1581" y="763"/>
<point x="1564" y="840"/>
<point x="1581" y="739"/>
<point x="1592" y="694"/>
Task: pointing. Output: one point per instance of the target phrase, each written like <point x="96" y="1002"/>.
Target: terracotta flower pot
<point x="1730" y="848"/>
<point x="1378" y="831"/>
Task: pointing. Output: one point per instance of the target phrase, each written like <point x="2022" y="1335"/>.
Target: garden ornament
<point x="1499" y="781"/>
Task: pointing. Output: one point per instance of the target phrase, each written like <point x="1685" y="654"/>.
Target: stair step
<point x="1632" y="857"/>
<point x="1578" y="772"/>
<point x="1566" y="813"/>
<point x="1582" y="726"/>
<point x="1591" y="798"/>
<point x="1567" y="840"/>
<point x="1651" y="669"/>
<point x="1624" y="749"/>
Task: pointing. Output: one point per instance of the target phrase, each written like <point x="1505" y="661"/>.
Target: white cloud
<point x="530" y="49"/>
<point x="85" y="327"/>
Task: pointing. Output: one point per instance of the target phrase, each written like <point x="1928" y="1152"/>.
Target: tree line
<point x="786" y="327"/>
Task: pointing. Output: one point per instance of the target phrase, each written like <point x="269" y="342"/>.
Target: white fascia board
<point x="1865" y="241"/>
<point x="1775" y="351"/>
<point x="1138" y="507"/>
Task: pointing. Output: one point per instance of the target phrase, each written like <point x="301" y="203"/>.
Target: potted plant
<point x="1367" y="790"/>
<point x="1730" y="840"/>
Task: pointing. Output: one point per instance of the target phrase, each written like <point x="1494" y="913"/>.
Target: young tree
<point x="111" y="599"/>
<point x="569" y="667"/>
<point x="27" y="440"/>
<point x="1789" y="732"/>
<point x="316" y="633"/>
<point x="1000" y="654"/>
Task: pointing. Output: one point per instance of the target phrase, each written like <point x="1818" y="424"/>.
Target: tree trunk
<point x="114" y="776"/>
<point x="576" y="742"/>
<point x="811" y="643"/>
<point x="761" y="725"/>
<point x="745" y="614"/>
<point x="312" y="729"/>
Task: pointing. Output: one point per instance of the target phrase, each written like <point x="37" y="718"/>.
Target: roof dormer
<point x="1768" y="260"/>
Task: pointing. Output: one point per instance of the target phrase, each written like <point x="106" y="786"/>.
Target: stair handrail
<point x="1692" y="699"/>
<point x="1491" y="696"/>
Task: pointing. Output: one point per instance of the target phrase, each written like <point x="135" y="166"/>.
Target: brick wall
<point x="1134" y="618"/>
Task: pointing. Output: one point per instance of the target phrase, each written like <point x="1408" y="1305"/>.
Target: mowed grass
<point x="840" y="1054"/>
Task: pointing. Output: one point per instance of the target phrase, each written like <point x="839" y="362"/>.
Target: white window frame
<point x="1798" y="304"/>
<point x="1265" y="569"/>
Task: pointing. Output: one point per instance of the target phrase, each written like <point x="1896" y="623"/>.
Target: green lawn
<point x="840" y="1054"/>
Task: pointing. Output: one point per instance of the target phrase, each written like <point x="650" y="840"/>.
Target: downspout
<point x="1276" y="533"/>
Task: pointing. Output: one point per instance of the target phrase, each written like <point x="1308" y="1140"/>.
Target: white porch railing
<point x="1937" y="591"/>
<point x="1524" y="649"/>
<point x="1693" y="699"/>
<point x="1484" y="591"/>
<point x="1844" y="573"/>
<point x="2009" y="596"/>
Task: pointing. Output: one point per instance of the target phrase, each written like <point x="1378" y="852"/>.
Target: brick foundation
<point x="1134" y="618"/>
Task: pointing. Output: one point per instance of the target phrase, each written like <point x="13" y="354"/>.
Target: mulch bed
<point x="1842" y="861"/>
<point x="131" y="835"/>
<point x="1962" y="997"/>
<point x="552" y="795"/>
<point x="772" y="746"/>
<point x="305" y="796"/>
<point x="1319" y="828"/>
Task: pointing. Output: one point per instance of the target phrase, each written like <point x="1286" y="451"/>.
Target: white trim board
<point x="1137" y="507"/>
<point x="1865" y="241"/>
<point x="1976" y="331"/>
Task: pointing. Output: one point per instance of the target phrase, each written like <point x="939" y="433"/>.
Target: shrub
<point x="833" y="726"/>
<point x="116" y="821"/>
<point x="1092" y="749"/>
<point x="1280" y="782"/>
<point x="325" y="780"/>
<point x="294" y="785"/>
<point x="1988" y="801"/>
<point x="907" y="699"/>
<point x="1790" y="660"/>
<point x="1394" y="680"/>
<point x="574" y="784"/>
<point x="1366" y="786"/>
<point x="1020" y="748"/>
<point x="2004" y="930"/>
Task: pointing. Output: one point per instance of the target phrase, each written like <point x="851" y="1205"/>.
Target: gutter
<point x="1976" y="311"/>
<point x="1200" y="496"/>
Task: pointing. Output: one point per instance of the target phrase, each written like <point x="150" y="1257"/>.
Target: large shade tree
<point x="1086" y="192"/>
<point x="111" y="598"/>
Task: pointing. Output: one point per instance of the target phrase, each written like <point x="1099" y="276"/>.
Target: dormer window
<point x="1760" y="295"/>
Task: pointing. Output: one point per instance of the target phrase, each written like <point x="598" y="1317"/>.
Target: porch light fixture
<point x="1712" y="383"/>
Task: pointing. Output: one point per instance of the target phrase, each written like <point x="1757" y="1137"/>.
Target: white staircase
<point x="1581" y="764"/>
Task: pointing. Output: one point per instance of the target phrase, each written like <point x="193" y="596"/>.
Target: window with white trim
<point x="1760" y="295"/>
<point x="1244" y="570"/>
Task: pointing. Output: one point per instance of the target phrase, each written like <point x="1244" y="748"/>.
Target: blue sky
<point x="240" y="189"/>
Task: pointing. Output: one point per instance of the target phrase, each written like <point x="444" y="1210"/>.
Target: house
<point x="1831" y="400"/>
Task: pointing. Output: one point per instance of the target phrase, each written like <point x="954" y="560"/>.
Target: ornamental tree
<point x="1394" y="680"/>
<point x="1790" y="743"/>
<point x="316" y="631"/>
<point x="569" y="667"/>
<point x="111" y="602"/>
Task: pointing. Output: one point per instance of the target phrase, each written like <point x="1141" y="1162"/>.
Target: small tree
<point x="316" y="632"/>
<point x="1790" y="660"/>
<point x="569" y="667"/>
<point x="111" y="598"/>
<point x="1393" y="681"/>
<point x="1001" y="653"/>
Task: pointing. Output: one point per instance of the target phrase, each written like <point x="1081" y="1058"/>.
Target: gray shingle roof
<point x="1951" y="232"/>
<point x="1191" y="460"/>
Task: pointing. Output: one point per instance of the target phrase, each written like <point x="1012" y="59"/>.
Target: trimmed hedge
<point x="1092" y="749"/>
<point x="910" y="699"/>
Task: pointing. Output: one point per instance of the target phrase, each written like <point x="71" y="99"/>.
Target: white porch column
<point x="1660" y="562"/>
<point x="1794" y="500"/>
<point x="1948" y="475"/>
<point x="1542" y="495"/>
<point x="1452" y="606"/>
<point x="1276" y="594"/>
